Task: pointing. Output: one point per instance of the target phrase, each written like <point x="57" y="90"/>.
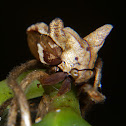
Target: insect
<point x="70" y="57"/>
<point x="63" y="48"/>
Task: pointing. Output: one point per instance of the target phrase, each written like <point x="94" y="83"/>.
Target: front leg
<point x="92" y="91"/>
<point x="56" y="78"/>
<point x="65" y="87"/>
<point x="53" y="78"/>
<point x="98" y="74"/>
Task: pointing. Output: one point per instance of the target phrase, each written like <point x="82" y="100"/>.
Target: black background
<point x="83" y="17"/>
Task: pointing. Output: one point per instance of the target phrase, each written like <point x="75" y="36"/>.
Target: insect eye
<point x="74" y="73"/>
<point x="88" y="49"/>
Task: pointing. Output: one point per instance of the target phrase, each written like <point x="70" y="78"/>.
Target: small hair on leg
<point x="15" y="72"/>
<point x="19" y="95"/>
<point x="34" y="75"/>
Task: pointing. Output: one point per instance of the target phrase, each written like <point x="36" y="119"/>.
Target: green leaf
<point x="32" y="91"/>
<point x="5" y="92"/>
<point x="62" y="117"/>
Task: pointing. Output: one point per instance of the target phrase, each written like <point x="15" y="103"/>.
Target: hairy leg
<point x="19" y="94"/>
<point x="19" y="90"/>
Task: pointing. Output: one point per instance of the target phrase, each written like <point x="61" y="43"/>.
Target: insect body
<point x="62" y="47"/>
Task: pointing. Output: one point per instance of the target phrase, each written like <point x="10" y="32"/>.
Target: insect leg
<point x="54" y="78"/>
<point x="65" y="87"/>
<point x="43" y="108"/>
<point x="19" y="95"/>
<point x="98" y="75"/>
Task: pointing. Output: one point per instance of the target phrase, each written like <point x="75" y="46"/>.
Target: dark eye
<point x="88" y="49"/>
<point x="76" y="58"/>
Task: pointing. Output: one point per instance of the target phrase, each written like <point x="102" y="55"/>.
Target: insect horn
<point x="57" y="33"/>
<point x="97" y="37"/>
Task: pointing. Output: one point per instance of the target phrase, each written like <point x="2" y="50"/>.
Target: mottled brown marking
<point x="51" y="59"/>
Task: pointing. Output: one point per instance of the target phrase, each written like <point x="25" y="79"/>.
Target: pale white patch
<point x="38" y="120"/>
<point x="26" y="119"/>
<point x="58" y="110"/>
<point x="40" y="52"/>
<point x="100" y="86"/>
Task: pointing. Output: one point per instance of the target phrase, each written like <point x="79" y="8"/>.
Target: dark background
<point x="83" y="17"/>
